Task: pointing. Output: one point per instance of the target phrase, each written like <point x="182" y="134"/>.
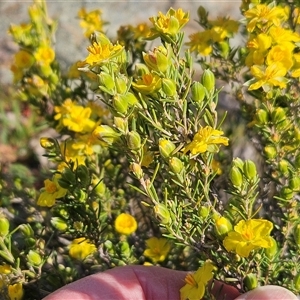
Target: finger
<point x="128" y="283"/>
<point x="224" y="291"/>
<point x="268" y="292"/>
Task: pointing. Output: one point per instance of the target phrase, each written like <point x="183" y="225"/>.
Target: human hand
<point x="156" y="283"/>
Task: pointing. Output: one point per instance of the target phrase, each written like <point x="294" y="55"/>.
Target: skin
<point x="151" y="283"/>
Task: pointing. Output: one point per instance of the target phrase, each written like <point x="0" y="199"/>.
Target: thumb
<point x="268" y="292"/>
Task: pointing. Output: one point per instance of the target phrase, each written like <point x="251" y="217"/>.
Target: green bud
<point x="162" y="213"/>
<point x="176" y="165"/>
<point x="284" y="166"/>
<point x="222" y="227"/>
<point x="173" y="25"/>
<point x="296" y="282"/>
<point x="83" y="175"/>
<point x="53" y="78"/>
<point x="4" y="226"/>
<point x="198" y="92"/>
<point x="106" y="134"/>
<point x="278" y="115"/>
<point x="250" y="281"/>
<point x="120" y="104"/>
<point x="45" y="70"/>
<point x="238" y="163"/>
<point x="249" y="169"/>
<point x="34" y="258"/>
<point x="125" y="249"/>
<point x="130" y="98"/>
<point x="202" y="14"/>
<point x="121" y="124"/>
<point x="224" y="48"/>
<point x="133" y="140"/>
<point x="166" y="147"/>
<point x="272" y="251"/>
<point x="286" y="193"/>
<point x="48" y="143"/>
<point x="236" y="176"/>
<point x="204" y="212"/>
<point x="26" y="230"/>
<point x="270" y="152"/>
<point x="208" y="80"/>
<point x="169" y="87"/>
<point x="296" y="233"/>
<point x="141" y="69"/>
<point x="107" y="81"/>
<point x="59" y="223"/>
<point x="261" y="116"/>
<point x="121" y="85"/>
<point x="294" y="183"/>
<point x="136" y="169"/>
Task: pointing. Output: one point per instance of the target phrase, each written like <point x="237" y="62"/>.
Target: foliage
<point x="141" y="165"/>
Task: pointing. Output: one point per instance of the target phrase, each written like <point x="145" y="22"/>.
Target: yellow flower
<point x="201" y="42"/>
<point x="15" y="291"/>
<point x="125" y="224"/>
<point x="205" y="140"/>
<point x="81" y="248"/>
<point x="273" y="75"/>
<point x="223" y="28"/>
<point x="44" y="55"/>
<point x="284" y="36"/>
<point x="90" y="21"/>
<point x="23" y="59"/>
<point x="249" y="235"/>
<point x="148" y="84"/>
<point x="74" y="117"/>
<point x="170" y="23"/>
<point x="51" y="192"/>
<point x="194" y="288"/>
<point x="102" y="53"/>
<point x="262" y="16"/>
<point x="157" y="249"/>
<point x="258" y="47"/>
<point x="280" y="54"/>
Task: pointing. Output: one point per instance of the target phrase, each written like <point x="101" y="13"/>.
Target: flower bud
<point x="286" y="193"/>
<point x="26" y="230"/>
<point x="261" y="116"/>
<point x="271" y="251"/>
<point x="270" y="152"/>
<point x="141" y="69"/>
<point x="121" y="124"/>
<point x="176" y="165"/>
<point x="34" y="258"/>
<point x="162" y="213"/>
<point x="169" y="87"/>
<point x="121" y="85"/>
<point x="249" y="169"/>
<point x="106" y="134"/>
<point x="59" y="223"/>
<point x="48" y="143"/>
<point x="204" y="212"/>
<point x="250" y="281"/>
<point x="294" y="183"/>
<point x="133" y="140"/>
<point x="235" y="176"/>
<point x="202" y="14"/>
<point x="284" y="166"/>
<point x="208" y="80"/>
<point x="166" y="147"/>
<point x="120" y="104"/>
<point x="198" y="92"/>
<point x="4" y="226"/>
<point x="222" y="227"/>
<point x="296" y="233"/>
<point x="136" y="169"/>
<point x="278" y="115"/>
<point x="107" y="81"/>
<point x="130" y="98"/>
<point x="224" y="48"/>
